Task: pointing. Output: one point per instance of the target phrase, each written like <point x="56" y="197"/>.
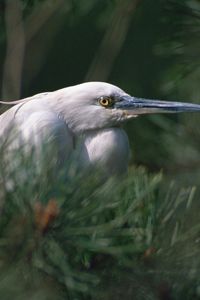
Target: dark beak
<point x="137" y="106"/>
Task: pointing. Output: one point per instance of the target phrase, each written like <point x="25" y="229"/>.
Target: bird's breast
<point x="107" y="149"/>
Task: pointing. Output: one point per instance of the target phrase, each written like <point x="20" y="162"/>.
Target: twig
<point x="15" y="50"/>
<point x="112" y="41"/>
<point x="29" y="32"/>
<point x="41" y="14"/>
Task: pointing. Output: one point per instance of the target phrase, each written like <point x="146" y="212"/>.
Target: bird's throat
<point x="107" y="149"/>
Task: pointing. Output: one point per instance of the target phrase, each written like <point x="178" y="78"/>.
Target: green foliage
<point x="92" y="223"/>
<point x="87" y="239"/>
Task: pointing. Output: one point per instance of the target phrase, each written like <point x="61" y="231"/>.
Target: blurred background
<point x="148" y="48"/>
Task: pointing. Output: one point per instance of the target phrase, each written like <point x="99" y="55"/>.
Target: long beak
<point x="137" y="106"/>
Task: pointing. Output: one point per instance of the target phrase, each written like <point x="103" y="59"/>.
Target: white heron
<point x="87" y="117"/>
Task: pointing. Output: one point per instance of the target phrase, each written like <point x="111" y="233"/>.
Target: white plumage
<point x="86" y="118"/>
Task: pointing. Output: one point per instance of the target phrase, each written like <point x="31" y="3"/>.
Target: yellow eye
<point x="106" y="101"/>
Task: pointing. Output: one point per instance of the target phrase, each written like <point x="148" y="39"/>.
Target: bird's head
<point x="95" y="105"/>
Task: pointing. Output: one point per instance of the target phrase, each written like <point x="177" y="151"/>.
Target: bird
<point x="85" y="119"/>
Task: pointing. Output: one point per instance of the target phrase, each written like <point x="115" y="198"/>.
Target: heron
<point x="87" y="117"/>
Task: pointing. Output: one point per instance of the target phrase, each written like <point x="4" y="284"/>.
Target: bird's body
<point x="57" y="121"/>
<point x="85" y="118"/>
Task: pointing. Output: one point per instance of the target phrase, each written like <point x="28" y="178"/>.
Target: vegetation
<point x="137" y="239"/>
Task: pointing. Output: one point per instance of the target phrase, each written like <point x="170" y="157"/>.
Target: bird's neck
<point x="107" y="149"/>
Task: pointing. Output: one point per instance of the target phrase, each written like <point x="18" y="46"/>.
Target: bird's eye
<point x="106" y="101"/>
